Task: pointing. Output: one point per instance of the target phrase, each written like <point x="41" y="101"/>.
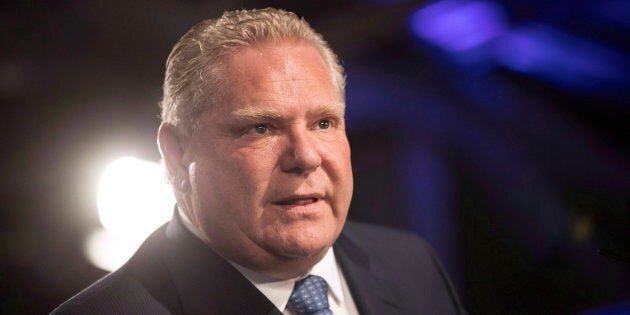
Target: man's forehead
<point x="277" y="60"/>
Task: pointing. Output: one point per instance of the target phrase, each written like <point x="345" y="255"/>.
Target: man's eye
<point x="261" y="129"/>
<point x="324" y="124"/>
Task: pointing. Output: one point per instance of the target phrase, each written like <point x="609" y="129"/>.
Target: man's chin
<point x="300" y="241"/>
<point x="296" y="251"/>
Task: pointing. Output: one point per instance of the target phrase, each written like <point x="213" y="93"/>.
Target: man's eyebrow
<point x="335" y="109"/>
<point x="254" y="113"/>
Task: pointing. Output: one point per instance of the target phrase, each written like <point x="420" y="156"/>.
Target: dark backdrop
<point x="495" y="129"/>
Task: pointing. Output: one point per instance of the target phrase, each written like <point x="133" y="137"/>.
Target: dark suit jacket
<point x="173" y="272"/>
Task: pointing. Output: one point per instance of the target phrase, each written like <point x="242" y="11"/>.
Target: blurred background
<point x="495" y="129"/>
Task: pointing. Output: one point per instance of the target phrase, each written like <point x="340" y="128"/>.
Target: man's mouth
<point x="298" y="200"/>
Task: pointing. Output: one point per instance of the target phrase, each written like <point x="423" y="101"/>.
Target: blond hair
<point x="194" y="78"/>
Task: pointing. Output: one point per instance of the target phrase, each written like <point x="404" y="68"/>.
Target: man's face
<point x="269" y="168"/>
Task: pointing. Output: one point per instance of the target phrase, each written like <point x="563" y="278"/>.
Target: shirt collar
<point x="279" y="291"/>
<point x="328" y="269"/>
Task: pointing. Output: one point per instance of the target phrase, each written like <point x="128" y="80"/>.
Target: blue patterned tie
<point x="310" y="297"/>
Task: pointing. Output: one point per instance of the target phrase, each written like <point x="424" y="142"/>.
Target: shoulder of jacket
<point x="367" y="232"/>
<point x="115" y="293"/>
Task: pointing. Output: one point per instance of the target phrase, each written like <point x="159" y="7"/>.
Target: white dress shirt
<point x="278" y="291"/>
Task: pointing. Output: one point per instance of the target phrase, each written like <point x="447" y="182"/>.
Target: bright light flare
<point x="133" y="200"/>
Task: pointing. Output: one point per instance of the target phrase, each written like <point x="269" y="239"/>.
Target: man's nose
<point x="302" y="154"/>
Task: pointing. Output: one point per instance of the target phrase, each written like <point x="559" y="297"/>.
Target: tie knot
<point x="310" y="297"/>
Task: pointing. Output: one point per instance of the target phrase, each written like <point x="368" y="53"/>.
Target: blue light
<point x="476" y="34"/>
<point x="560" y="58"/>
<point x="456" y="25"/>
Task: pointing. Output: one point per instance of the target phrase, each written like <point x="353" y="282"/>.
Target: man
<point x="253" y="140"/>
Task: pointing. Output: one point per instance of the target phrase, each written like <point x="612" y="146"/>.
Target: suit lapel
<point x="207" y="283"/>
<point x="371" y="291"/>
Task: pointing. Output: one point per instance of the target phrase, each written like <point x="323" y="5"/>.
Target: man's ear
<point x="172" y="147"/>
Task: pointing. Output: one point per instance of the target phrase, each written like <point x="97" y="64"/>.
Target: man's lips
<point x="298" y="200"/>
